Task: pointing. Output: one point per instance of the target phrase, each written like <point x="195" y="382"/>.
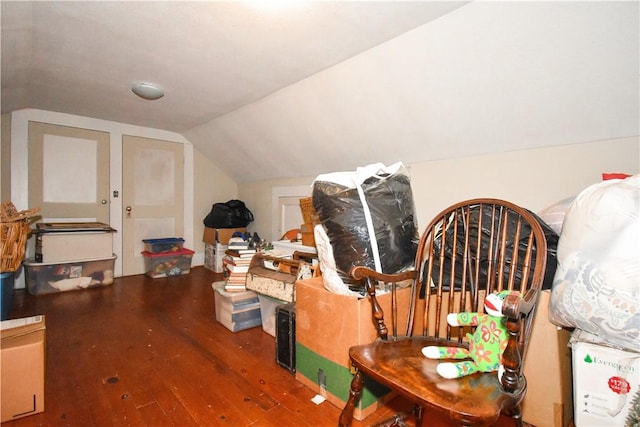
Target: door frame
<point x="20" y="167"/>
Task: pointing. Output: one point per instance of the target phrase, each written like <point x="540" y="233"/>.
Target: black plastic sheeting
<point x="342" y="214"/>
<point x="551" y="237"/>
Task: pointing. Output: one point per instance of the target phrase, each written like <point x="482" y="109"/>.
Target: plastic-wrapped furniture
<point x="469" y="250"/>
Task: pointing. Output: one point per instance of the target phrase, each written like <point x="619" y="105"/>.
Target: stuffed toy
<point x="486" y="344"/>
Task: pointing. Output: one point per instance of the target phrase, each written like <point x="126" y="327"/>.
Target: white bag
<point x="596" y="287"/>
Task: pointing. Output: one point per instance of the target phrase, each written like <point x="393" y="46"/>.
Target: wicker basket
<point x="309" y="214"/>
<point x="14" y="231"/>
<point x="14" y="239"/>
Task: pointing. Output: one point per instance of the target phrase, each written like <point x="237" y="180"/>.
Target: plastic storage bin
<point x="169" y="244"/>
<point x="268" y="308"/>
<point x="7" y="283"/>
<point x="166" y="264"/>
<point x="236" y="311"/>
<point x="47" y="278"/>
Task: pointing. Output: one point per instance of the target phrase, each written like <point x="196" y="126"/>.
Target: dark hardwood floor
<point x="149" y="352"/>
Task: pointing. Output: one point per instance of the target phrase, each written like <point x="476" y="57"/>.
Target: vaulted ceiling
<point x="311" y="87"/>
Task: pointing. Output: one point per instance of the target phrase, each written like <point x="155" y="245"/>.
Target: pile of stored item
<point x="166" y="257"/>
<point x="220" y="225"/>
<point x="236" y="262"/>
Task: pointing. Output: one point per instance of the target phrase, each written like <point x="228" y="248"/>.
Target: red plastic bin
<point x="167" y="264"/>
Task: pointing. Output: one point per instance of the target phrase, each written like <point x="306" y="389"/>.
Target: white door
<point x="69" y="173"/>
<point x="290" y="214"/>
<point x="152" y="196"/>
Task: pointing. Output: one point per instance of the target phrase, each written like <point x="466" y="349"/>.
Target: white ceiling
<point x="255" y="89"/>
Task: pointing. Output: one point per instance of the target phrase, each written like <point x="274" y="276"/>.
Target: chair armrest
<point x="360" y="273"/>
<point x="371" y="277"/>
<point x="515" y="308"/>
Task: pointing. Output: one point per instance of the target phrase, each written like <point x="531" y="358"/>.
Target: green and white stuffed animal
<point x="486" y="344"/>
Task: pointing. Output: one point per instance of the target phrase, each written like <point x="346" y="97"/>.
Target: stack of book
<point x="236" y="265"/>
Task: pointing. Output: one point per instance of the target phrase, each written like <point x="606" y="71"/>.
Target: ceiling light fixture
<point x="148" y="91"/>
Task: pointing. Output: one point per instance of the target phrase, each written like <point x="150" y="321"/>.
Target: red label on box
<point x="619" y="385"/>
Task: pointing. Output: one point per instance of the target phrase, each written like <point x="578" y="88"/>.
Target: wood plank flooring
<point x="149" y="352"/>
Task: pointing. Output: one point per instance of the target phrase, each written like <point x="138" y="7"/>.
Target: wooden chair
<point x="291" y="234"/>
<point x="469" y="250"/>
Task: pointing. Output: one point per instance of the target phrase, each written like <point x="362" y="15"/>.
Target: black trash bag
<point x="550" y="235"/>
<point x="390" y="202"/>
<point x="231" y="214"/>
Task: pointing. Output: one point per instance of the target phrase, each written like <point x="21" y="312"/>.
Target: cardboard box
<point x="308" y="238"/>
<point x="220" y="235"/>
<point x="547" y="367"/>
<point x="327" y="324"/>
<point x="22" y="357"/>
<point x="605" y="380"/>
<point x="213" y="255"/>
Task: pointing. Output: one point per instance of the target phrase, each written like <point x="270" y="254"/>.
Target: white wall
<point x="210" y="186"/>
<point x="258" y="198"/>
<point x="534" y="179"/>
<point x="5" y="157"/>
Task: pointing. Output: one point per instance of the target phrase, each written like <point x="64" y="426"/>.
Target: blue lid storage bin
<point x="168" y="244"/>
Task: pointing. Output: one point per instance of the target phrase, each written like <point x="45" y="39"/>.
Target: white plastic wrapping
<point x="554" y="215"/>
<point x="596" y="287"/>
<point x="330" y="277"/>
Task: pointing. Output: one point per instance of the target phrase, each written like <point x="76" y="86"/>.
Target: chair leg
<point x="355" y="392"/>
<point x="516" y="414"/>
<point x="417" y="413"/>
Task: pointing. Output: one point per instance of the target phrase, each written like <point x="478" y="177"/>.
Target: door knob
<point x="104" y="202"/>
<point x="128" y="209"/>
